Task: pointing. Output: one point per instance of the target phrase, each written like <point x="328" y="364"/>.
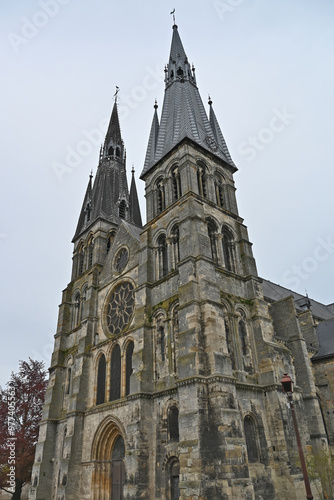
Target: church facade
<point x="169" y="351"/>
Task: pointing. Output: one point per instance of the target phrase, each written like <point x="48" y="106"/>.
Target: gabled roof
<point x="183" y="114"/>
<point x="273" y="292"/>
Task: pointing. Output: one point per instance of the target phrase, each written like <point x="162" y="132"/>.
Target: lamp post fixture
<point x="287" y="385"/>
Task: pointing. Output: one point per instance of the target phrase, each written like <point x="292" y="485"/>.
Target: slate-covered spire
<point x="108" y="198"/>
<point x="135" y="215"/>
<point x="183" y="114"/>
<point x="113" y="144"/>
<point x="86" y="209"/>
<point x="152" y="142"/>
<point x="218" y="133"/>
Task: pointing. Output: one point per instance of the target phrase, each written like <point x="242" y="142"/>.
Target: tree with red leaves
<point x="21" y="404"/>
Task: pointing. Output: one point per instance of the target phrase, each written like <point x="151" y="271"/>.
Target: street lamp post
<point x="287" y="384"/>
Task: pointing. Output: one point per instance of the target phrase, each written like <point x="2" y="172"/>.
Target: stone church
<point x="169" y="351"/>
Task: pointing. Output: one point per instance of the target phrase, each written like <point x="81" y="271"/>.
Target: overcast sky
<point x="268" y="67"/>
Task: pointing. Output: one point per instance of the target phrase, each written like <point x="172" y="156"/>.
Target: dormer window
<point x="172" y="74"/>
<point x="118" y="152"/>
<point x="180" y="72"/>
<point x="111" y="151"/>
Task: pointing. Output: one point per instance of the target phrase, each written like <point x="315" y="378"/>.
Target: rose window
<point x="120" y="308"/>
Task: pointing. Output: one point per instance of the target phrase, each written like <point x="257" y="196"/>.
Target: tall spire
<point x="152" y="142"/>
<point x="108" y="198"/>
<point x="135" y="215"/>
<point x="183" y="114"/>
<point x="113" y="144"/>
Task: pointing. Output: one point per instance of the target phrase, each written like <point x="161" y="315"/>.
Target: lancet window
<point x="115" y="374"/>
<point x="162" y="256"/>
<point x="177" y="193"/>
<point x="128" y="366"/>
<point x="212" y="231"/>
<point x="161" y="202"/>
<point x="228" y="249"/>
<point x="176" y="245"/>
<point x="173" y="423"/>
<point x="201" y="179"/>
<point x="101" y="381"/>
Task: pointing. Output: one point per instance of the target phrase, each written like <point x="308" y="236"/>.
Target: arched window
<point x="110" y="239"/>
<point x="176" y="245"/>
<point x="173" y="423"/>
<point x="101" y="381"/>
<point x="162" y="256"/>
<point x="251" y="440"/>
<point x="118" y="152"/>
<point x="219" y="190"/>
<point x="180" y="72"/>
<point x="115" y="374"/>
<point x="228" y="249"/>
<point x="243" y="336"/>
<point x="63" y="448"/>
<point x="81" y="260"/>
<point x="212" y="231"/>
<point x="117" y="469"/>
<point x="161" y="196"/>
<point x="128" y="366"/>
<point x="111" y="151"/>
<point x="122" y="209"/>
<point x="176" y="184"/>
<point x="201" y="180"/>
<point x="68" y="380"/>
<point x="76" y="310"/>
<point x="90" y="251"/>
<point x="162" y="343"/>
<point x="229" y="341"/>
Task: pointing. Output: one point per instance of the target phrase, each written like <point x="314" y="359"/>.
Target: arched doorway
<point x="108" y="456"/>
<point x="117" y="469"/>
<point x="173" y="479"/>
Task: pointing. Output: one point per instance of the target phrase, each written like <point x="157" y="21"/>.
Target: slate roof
<point x="273" y="292"/>
<point x="183" y="114"/>
<point x="325" y="333"/>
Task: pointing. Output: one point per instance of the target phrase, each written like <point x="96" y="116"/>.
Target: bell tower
<point x="165" y="376"/>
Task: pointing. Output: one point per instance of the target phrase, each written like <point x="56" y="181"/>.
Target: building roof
<point x="183" y="114"/>
<point x="273" y="292"/>
<point x="325" y="333"/>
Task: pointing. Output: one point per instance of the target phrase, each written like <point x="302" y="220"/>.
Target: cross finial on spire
<point x="173" y="12"/>
<point x="115" y="94"/>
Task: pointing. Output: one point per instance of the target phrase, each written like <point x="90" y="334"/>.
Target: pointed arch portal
<point x="108" y="454"/>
